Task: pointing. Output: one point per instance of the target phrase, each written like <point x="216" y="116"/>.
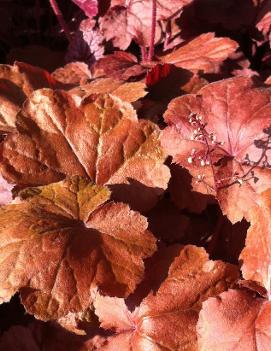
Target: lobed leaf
<point x="87" y="44"/>
<point x="90" y="7"/>
<point x="120" y="65"/>
<point x="222" y="136"/>
<point x="65" y="241"/>
<point x="256" y="255"/>
<point x="132" y="20"/>
<point x="234" y="320"/>
<point x="17" y="82"/>
<point x="126" y="91"/>
<point x="205" y="53"/>
<point x="101" y="139"/>
<point x="167" y="320"/>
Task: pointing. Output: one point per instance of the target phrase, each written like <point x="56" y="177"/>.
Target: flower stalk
<point x="153" y="30"/>
<point x="60" y="19"/>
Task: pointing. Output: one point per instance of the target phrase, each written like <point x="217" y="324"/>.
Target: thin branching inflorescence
<point x="209" y="158"/>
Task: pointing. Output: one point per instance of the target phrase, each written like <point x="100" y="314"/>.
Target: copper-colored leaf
<point x="126" y="91"/>
<point x="205" y="53"/>
<point x="16" y="83"/>
<point x="222" y="136"/>
<point x="73" y="73"/>
<point x="235" y="320"/>
<point x="102" y="140"/>
<point x="167" y="319"/>
<point x="256" y="256"/>
<point x="120" y="65"/>
<point x="64" y="241"/>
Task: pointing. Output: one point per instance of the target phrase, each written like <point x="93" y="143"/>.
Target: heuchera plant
<point x="135" y="180"/>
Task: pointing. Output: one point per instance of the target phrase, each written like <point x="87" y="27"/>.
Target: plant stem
<point x="143" y="53"/>
<point x="153" y="27"/>
<point x="60" y="18"/>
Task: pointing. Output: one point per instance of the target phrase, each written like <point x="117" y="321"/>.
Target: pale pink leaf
<point x="235" y="321"/>
<point x="90" y="7"/>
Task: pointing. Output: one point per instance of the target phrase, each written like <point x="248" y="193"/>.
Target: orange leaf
<point x="64" y="241"/>
<point x="205" y="53"/>
<point x="101" y="139"/>
<point x="167" y="319"/>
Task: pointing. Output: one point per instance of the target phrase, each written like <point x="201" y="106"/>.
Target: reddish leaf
<point x="120" y="65"/>
<point x="70" y="227"/>
<point x="235" y="320"/>
<point x="113" y="148"/>
<point x="5" y="191"/>
<point x="90" y="7"/>
<point x="87" y="44"/>
<point x="263" y="21"/>
<point x="32" y="77"/>
<point x="222" y="136"/>
<point x="157" y="73"/>
<point x="132" y="20"/>
<point x="256" y="256"/>
<point x="205" y="53"/>
<point x="167" y="319"/>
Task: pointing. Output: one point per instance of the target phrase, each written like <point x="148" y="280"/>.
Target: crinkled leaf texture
<point x="235" y="320"/>
<point x="256" y="256"/>
<point x="73" y="74"/>
<point x="126" y="91"/>
<point x="86" y="44"/>
<point x="64" y="241"/>
<point x="167" y="319"/>
<point x="222" y="136"/>
<point x="205" y="52"/>
<point x="132" y="20"/>
<point x="101" y="139"/>
<point x="17" y="82"/>
<point x="119" y="65"/>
